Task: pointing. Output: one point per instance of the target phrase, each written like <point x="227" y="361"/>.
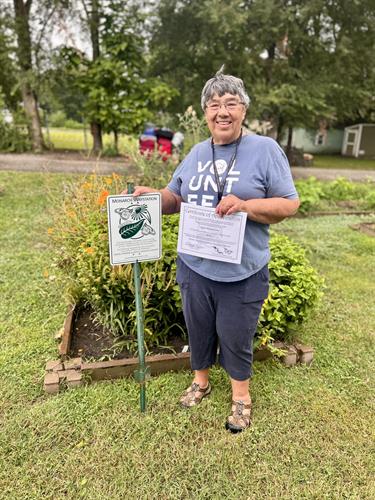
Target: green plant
<point x="295" y="289"/>
<point x="154" y="170"/>
<point x="316" y="194"/>
<point x="13" y="138"/>
<point x="310" y="192"/>
<point x="194" y="127"/>
<point x="81" y="240"/>
<point x="370" y="199"/>
<point x="339" y="190"/>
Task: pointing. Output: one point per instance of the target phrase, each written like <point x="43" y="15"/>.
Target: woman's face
<point x="224" y="117"/>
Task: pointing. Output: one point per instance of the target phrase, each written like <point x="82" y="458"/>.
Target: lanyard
<point x="221" y="185"/>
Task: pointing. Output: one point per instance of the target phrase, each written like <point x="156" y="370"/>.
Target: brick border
<point x="73" y="372"/>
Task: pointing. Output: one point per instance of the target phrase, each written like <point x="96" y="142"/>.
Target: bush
<point x="295" y="290"/>
<point x="340" y="190"/>
<point x="81" y="243"/>
<point x="310" y="192"/>
<point x="58" y="119"/>
<point x="316" y="194"/>
<point x="13" y="138"/>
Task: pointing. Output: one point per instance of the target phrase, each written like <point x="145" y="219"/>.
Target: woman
<point x="222" y="301"/>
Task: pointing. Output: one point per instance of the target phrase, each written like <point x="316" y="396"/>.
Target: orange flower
<point x="103" y="196"/>
<point x="89" y="250"/>
<point x="71" y="213"/>
<point x="50" y="230"/>
<point x="45" y="273"/>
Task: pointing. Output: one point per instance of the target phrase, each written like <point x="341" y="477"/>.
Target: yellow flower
<point x="45" y="273"/>
<point x="115" y="176"/>
<point x="86" y="185"/>
<point x="71" y="213"/>
<point x="50" y="230"/>
<point x="108" y="181"/>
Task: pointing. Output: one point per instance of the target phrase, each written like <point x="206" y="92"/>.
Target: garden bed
<point x="365" y="227"/>
<point x="83" y="344"/>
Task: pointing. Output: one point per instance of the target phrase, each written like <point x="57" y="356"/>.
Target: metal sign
<point x="134" y="228"/>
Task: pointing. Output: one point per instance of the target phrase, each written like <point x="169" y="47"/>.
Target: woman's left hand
<point x="230" y="204"/>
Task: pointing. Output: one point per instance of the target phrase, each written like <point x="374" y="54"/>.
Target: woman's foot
<point x="194" y="395"/>
<point x="240" y="418"/>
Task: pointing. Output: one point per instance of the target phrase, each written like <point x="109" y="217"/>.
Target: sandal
<point x="194" y="395"/>
<point x="240" y="418"/>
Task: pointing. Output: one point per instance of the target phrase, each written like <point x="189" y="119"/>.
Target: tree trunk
<point x="94" y="29"/>
<point x="115" y="135"/>
<point x="30" y="100"/>
<point x="96" y="131"/>
<point x="288" y="150"/>
<point x="96" y="128"/>
<point x="280" y="126"/>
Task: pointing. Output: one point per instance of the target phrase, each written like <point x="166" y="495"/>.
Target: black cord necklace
<point x="221" y="185"/>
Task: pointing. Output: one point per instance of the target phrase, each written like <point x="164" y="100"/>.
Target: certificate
<point x="134" y="228"/>
<point x="205" y="234"/>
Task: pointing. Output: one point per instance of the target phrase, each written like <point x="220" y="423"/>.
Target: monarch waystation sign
<point x="134" y="228"/>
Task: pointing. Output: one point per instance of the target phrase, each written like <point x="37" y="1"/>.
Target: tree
<point x="302" y="60"/>
<point x="24" y="52"/>
<point x="118" y="96"/>
<point x="92" y="10"/>
<point x="8" y="70"/>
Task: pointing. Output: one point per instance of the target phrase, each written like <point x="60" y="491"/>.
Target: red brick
<point x="73" y="364"/>
<point x="290" y="358"/>
<point x="54" y="366"/>
<point x="51" y="383"/>
<point x="305" y="353"/>
<point x="63" y="374"/>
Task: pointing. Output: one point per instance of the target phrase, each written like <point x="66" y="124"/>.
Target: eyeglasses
<point x="228" y="105"/>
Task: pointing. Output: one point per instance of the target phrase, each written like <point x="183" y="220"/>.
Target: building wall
<point x="367" y="141"/>
<point x="305" y="139"/>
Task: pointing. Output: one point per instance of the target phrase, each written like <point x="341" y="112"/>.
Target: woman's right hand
<point x="138" y="190"/>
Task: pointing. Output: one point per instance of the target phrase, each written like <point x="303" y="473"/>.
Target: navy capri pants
<point x="222" y="314"/>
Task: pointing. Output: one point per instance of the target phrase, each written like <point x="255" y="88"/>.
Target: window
<point x="320" y="139"/>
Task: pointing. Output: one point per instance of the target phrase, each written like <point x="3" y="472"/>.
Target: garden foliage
<point x="318" y="195"/>
<point x="81" y="242"/>
<point x="13" y="138"/>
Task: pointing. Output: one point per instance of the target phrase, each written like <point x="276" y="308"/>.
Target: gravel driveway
<point x="77" y="164"/>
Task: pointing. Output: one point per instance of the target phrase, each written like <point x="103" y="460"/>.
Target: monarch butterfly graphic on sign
<point x="134" y="228"/>
<point x="135" y="222"/>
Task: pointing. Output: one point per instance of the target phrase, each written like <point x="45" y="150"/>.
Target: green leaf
<point x="131" y="230"/>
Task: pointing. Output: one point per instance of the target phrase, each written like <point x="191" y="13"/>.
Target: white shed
<point x="359" y="140"/>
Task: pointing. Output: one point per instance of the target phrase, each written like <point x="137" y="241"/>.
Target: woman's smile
<point x="224" y="118"/>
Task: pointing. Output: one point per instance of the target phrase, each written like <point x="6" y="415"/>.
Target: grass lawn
<point x="338" y="161"/>
<point x="72" y="139"/>
<point x="313" y="427"/>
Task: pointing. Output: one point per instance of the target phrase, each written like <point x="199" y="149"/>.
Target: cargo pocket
<point x="256" y="287"/>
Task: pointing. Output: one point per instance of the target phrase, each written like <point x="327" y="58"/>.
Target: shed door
<point x="351" y="141"/>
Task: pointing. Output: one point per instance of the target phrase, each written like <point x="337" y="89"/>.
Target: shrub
<point x="340" y="189"/>
<point x="81" y="242"/>
<point x="295" y="290"/>
<point x="370" y="199"/>
<point x="310" y="192"/>
<point x="13" y="138"/>
<point x="315" y="194"/>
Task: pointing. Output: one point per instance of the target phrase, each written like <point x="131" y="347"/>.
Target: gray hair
<point x="222" y="84"/>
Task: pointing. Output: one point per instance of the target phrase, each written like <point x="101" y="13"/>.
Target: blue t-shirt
<point x="261" y="170"/>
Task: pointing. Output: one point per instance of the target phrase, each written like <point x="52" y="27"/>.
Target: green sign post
<point x="143" y="372"/>
<point x="134" y="230"/>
